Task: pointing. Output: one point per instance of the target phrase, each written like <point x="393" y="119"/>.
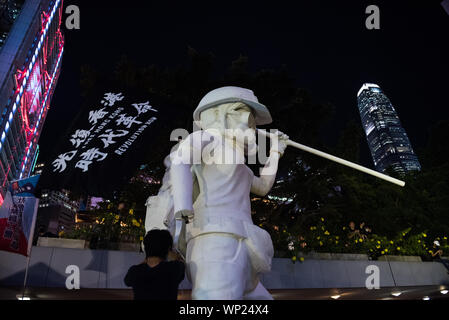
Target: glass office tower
<point x="387" y="139"/>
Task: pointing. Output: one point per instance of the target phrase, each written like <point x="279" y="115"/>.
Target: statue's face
<point x="228" y="116"/>
<point x="234" y="120"/>
<point x="240" y="116"/>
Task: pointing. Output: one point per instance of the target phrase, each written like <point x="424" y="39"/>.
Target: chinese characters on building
<point x="111" y="127"/>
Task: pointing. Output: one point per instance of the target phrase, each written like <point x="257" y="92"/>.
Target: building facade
<point x="56" y="211"/>
<point x="30" y="61"/>
<point x="387" y="139"/>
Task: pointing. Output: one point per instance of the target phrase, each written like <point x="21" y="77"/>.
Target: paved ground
<point x="408" y="293"/>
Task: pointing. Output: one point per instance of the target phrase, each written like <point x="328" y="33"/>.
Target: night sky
<point x="324" y="44"/>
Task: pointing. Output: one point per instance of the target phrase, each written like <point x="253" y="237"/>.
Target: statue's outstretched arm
<point x="263" y="184"/>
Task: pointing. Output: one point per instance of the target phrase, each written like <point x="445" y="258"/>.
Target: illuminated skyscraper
<point x="387" y="140"/>
<point x="30" y="60"/>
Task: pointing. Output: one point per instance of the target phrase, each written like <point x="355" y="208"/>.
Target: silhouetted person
<point x="353" y="231"/>
<point x="437" y="253"/>
<point x="156" y="278"/>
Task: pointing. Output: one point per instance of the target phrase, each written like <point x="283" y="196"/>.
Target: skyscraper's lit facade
<point x="30" y="60"/>
<point x="387" y="139"/>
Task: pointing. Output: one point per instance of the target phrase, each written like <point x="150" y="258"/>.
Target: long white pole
<point x="338" y="160"/>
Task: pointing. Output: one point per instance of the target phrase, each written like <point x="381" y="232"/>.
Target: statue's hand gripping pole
<point x="338" y="160"/>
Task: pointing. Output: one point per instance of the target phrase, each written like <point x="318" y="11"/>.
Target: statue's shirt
<point x="224" y="180"/>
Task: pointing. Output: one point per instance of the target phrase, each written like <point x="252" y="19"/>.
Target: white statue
<point x="225" y="250"/>
<point x="208" y="185"/>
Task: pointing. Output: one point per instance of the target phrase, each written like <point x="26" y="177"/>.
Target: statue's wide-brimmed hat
<point x="234" y="94"/>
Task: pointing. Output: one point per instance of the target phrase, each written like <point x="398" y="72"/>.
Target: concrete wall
<point x="106" y="269"/>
